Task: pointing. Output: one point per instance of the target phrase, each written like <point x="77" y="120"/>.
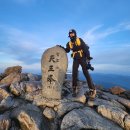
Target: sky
<point x="29" y="27"/>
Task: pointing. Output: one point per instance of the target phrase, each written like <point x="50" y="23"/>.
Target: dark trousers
<point x="83" y="63"/>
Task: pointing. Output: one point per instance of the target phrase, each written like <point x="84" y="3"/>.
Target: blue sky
<point x="28" y="27"/>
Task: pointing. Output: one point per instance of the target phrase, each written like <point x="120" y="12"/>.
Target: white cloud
<point x="111" y="56"/>
<point x="20" y="48"/>
<point x="18" y="41"/>
<point x="112" y="68"/>
<point x="36" y="67"/>
<point x="95" y="34"/>
<point x="7" y="63"/>
<point x="109" y="69"/>
<point x="126" y="25"/>
<point x="25" y="49"/>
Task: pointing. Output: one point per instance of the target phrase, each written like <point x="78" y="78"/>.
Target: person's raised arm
<point x="67" y="49"/>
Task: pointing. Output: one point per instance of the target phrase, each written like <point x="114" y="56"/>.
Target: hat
<point x="72" y="31"/>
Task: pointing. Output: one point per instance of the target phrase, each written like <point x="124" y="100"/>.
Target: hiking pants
<point x="83" y="63"/>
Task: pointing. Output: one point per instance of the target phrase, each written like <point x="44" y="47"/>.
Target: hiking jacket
<point x="79" y="49"/>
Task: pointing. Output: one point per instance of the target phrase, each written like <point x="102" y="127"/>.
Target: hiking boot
<point x="92" y="93"/>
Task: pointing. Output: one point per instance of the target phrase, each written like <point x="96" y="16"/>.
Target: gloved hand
<point x="89" y="58"/>
<point x="58" y="45"/>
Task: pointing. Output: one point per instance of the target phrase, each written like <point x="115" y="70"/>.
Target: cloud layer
<point x="19" y="47"/>
<point x="98" y="33"/>
<point x="111" y="55"/>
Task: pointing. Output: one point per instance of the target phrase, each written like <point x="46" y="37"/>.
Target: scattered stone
<point x="32" y="96"/>
<point x="6" y="100"/>
<point x="6" y="104"/>
<point x="126" y="94"/>
<point x="15" y="89"/>
<point x="5" y="122"/>
<point x="32" y="86"/>
<point x="25" y="87"/>
<point x="29" y="117"/>
<point x="49" y="113"/>
<point x="117" y="90"/>
<point x="123" y="101"/>
<point x="4" y="86"/>
<point x="65" y="107"/>
<point x="53" y="72"/>
<point x="127" y="122"/>
<point x="11" y="78"/>
<point x="112" y="103"/>
<point x="26" y="122"/>
<point x="3" y="94"/>
<point x="113" y="113"/>
<point x="14" y="69"/>
<point x="44" y="102"/>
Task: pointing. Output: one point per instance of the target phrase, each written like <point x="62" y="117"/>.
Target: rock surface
<point x="86" y="118"/>
<point x="29" y="117"/>
<point x="49" y="113"/>
<point x="11" y="78"/>
<point x="5" y="122"/>
<point x="117" y="90"/>
<point x="6" y="100"/>
<point x="14" y="69"/>
<point x="63" y="108"/>
<point x="22" y="106"/>
<point x="121" y="100"/>
<point x="113" y="113"/>
<point x="112" y="103"/>
<point x="25" y="87"/>
<point x="127" y="122"/>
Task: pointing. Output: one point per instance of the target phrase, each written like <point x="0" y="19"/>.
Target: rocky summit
<point x="23" y="106"/>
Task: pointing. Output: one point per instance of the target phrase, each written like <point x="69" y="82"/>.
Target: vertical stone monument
<point x="54" y="65"/>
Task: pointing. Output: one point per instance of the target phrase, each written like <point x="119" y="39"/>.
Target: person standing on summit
<point x="81" y="56"/>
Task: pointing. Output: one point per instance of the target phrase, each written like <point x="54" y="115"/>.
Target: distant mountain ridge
<point x="108" y="80"/>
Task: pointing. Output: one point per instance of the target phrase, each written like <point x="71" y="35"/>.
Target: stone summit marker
<point x="54" y="65"/>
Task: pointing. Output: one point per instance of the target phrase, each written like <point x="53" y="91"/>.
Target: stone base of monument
<point x="59" y="106"/>
<point x="45" y="102"/>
